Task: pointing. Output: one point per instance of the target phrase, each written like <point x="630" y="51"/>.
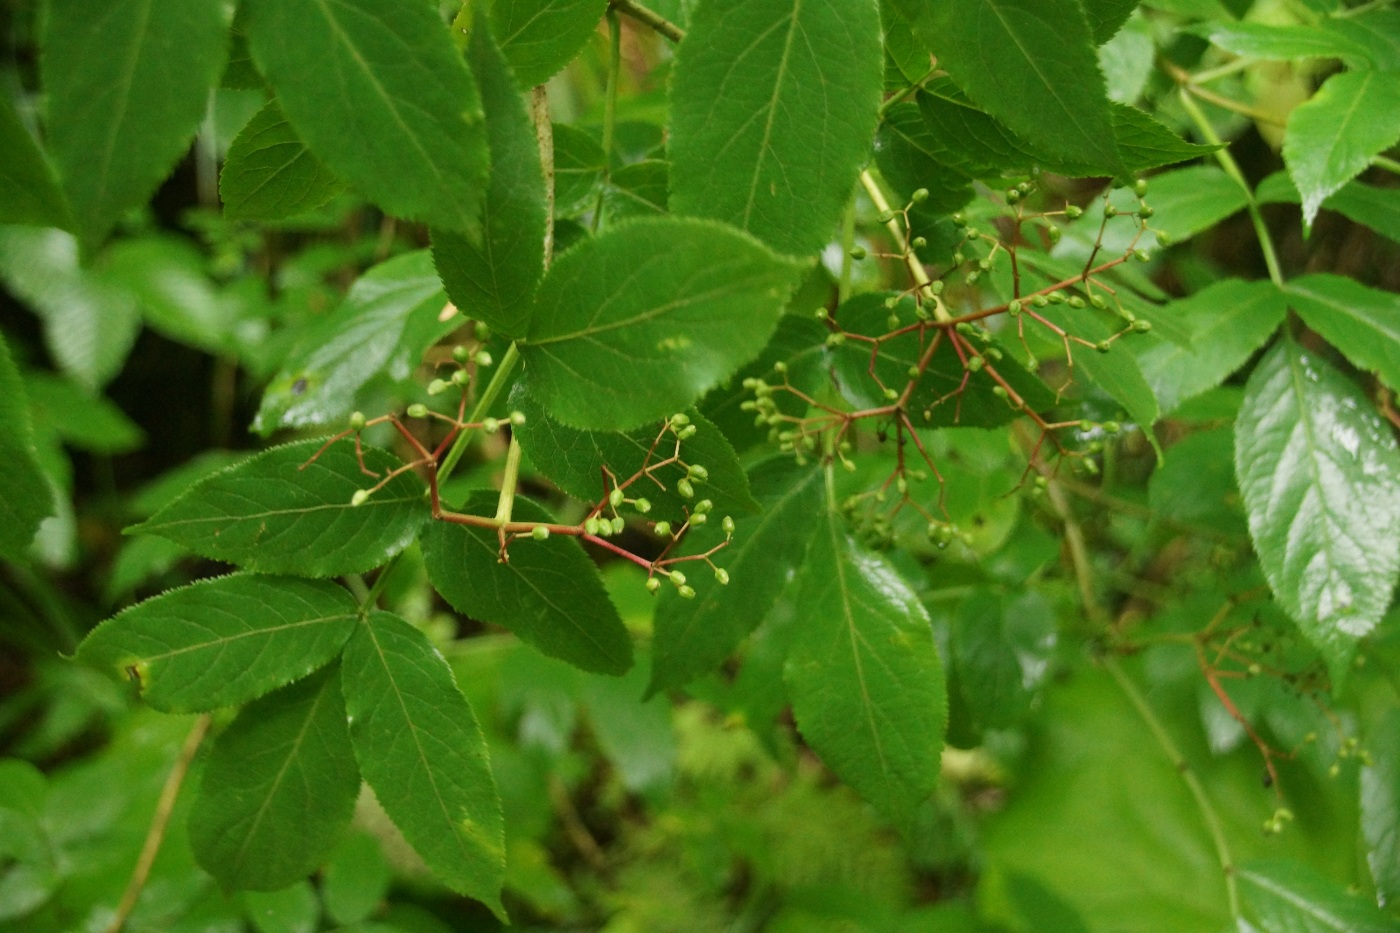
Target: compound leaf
<point x="386" y="322"/>
<point x="223" y="642"/>
<point x="381" y="95"/>
<point x="127" y="83"/>
<point x="773" y="104"/>
<point x="493" y="278"/>
<point x="548" y="592"/>
<point x="278" y="513"/>
<point x="279" y="788"/>
<point x="422" y="752"/>
<point x="866" y="681"/>
<point x="637" y="324"/>
<point x="694" y="636"/>
<point x="270" y="174"/>
<point x="1320" y="475"/>
<point x="1335" y="134"/>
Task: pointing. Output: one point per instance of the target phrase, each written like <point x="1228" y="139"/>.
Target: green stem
<point x="506" y="504"/>
<point x="848" y="241"/>
<point x="654" y="21"/>
<point x="504" y="369"/>
<point x="371" y="596"/>
<point x="1390" y="165"/>
<point x="915" y="265"/>
<point x="1232" y="168"/>
<point x="1188" y="774"/>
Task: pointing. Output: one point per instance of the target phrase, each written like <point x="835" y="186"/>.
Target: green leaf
<point x="1281" y="42"/>
<point x="866" y="682"/>
<point x="1195" y="485"/>
<point x="380" y="94"/>
<point x="294" y="909"/>
<point x="636" y="736"/>
<point x="28" y="499"/>
<point x="637" y="324"/>
<point x="1190" y="200"/>
<point x="278" y="789"/>
<point x="1362" y="322"/>
<point x="169" y="278"/>
<point x="355" y="878"/>
<point x="1106" y="17"/>
<point x="1000" y="646"/>
<point x="89" y="324"/>
<point x="225" y="641"/>
<point x="637" y="190"/>
<point x="1289" y="897"/>
<point x="578" y="166"/>
<point x="574" y="460"/>
<point x="548" y="592"/>
<point x="493" y="279"/>
<point x="382" y="328"/>
<point x="1223" y="324"/>
<point x="87" y="422"/>
<point x="1334" y="135"/>
<point x="1115" y="372"/>
<point x="1376" y="208"/>
<point x="277" y="513"/>
<point x="539" y="37"/>
<point x="1032" y="65"/>
<point x="773" y="103"/>
<point x="422" y="752"/>
<point x="270" y="174"/>
<point x="31" y="873"/>
<point x="907" y="153"/>
<point x="694" y="636"/>
<point x="1146" y="144"/>
<point x="1321" y="481"/>
<point x="29" y="191"/>
<point x="127" y="84"/>
<point x="941" y="399"/>
<point x="1380" y="806"/>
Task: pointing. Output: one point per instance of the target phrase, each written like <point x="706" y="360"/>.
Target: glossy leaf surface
<point x="694" y="636"/>
<point x="270" y="174"/>
<point x="380" y="95"/>
<point x="866" y="682"/>
<point x="1362" y="322"/>
<point x="1320" y="475"/>
<point x="278" y="789"/>
<point x="636" y="324"/>
<point x="127" y="83"/>
<point x="492" y="278"/>
<point x="773" y="104"/>
<point x="548" y="592"/>
<point x="223" y="642"/>
<point x="421" y="750"/>
<point x="270" y="515"/>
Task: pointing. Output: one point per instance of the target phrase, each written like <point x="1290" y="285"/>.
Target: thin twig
<point x="654" y="21"/>
<point x="160" y="821"/>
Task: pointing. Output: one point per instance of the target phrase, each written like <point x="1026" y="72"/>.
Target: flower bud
<point x="417" y="410"/>
<point x="539" y="533"/>
<point x="360" y="497"/>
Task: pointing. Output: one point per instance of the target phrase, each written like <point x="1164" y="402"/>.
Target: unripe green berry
<point x="643" y="506"/>
<point x="728" y="525"/>
<point x="1142" y="327"/>
<point x="722" y="576"/>
<point x="919" y="196"/>
<point x="461" y="377"/>
<point x="663" y="529"/>
<point x="687" y="432"/>
<point x="517" y="418"/>
<point x="1145" y="211"/>
<point x="1053" y="233"/>
<point x="618" y="525"/>
<point x="615" y="497"/>
<point x="680" y="419"/>
<point x="704" y="505"/>
<point x="1013" y="307"/>
<point x="1141" y="255"/>
<point x="1140" y="187"/>
<point x="677" y="578"/>
<point x="490" y="425"/>
<point x="417" y="410"/>
<point x="1074" y="212"/>
<point x="483" y="358"/>
<point x="885" y="217"/>
<point x="918" y="242"/>
<point x="686" y="490"/>
<point x="685" y="592"/>
<point x="698" y="472"/>
<point x="857" y="252"/>
<point x="653" y="584"/>
<point x="591" y="525"/>
<point x="1103" y="346"/>
<point x="438" y="386"/>
<point x="1076" y="302"/>
<point x="360" y="497"/>
<point x="357" y="421"/>
<point x="699" y="518"/>
<point x="539" y="533"/>
<point x="1110" y="211"/>
<point x="1098" y="301"/>
<point x="461" y="354"/>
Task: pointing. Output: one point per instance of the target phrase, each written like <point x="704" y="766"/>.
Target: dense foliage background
<point x="944" y="450"/>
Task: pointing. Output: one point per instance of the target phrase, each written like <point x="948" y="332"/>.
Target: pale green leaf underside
<point x="637" y="324"/>
<point x="380" y="94"/>
<point x="270" y="515"/>
<point x="1289" y="897"/>
<point x="423" y="754"/>
<point x="773" y="104"/>
<point x="127" y="83"/>
<point x="865" y="679"/>
<point x="278" y="789"/>
<point x="223" y="642"/>
<point x="548" y="593"/>
<point x="1320" y="475"/>
<point x="270" y="174"/>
